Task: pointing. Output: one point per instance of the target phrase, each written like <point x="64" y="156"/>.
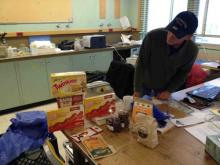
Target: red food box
<point x="99" y="106"/>
<point x="65" y="118"/>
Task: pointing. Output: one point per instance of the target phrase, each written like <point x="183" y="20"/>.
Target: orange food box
<point x="68" y="83"/>
<point x="65" y="118"/>
<point x="141" y="106"/>
<point x="99" y="106"/>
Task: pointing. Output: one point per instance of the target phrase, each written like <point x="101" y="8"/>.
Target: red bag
<point x="196" y="76"/>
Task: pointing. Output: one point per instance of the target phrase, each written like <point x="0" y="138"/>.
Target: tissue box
<point x="68" y="83"/>
<point x="99" y="106"/>
<point x="213" y="147"/>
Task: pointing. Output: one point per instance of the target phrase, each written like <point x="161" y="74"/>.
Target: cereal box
<point x="70" y="101"/>
<point x="70" y="117"/>
<point x="99" y="106"/>
<point x="68" y="83"/>
<point x="141" y="106"/>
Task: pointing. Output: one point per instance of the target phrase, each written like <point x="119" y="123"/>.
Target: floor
<point x="5" y="122"/>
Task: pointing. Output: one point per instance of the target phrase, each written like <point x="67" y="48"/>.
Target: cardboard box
<point x="141" y="106"/>
<point x="68" y="83"/>
<point x="65" y="118"/>
<point x="99" y="106"/>
<point x="69" y="101"/>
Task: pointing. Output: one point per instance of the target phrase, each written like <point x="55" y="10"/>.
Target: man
<point x="166" y="57"/>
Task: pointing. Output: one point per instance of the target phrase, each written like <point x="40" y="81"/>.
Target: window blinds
<point x="144" y="13"/>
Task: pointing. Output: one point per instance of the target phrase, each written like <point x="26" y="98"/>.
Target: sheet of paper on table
<point x="194" y="118"/>
<point x="202" y="130"/>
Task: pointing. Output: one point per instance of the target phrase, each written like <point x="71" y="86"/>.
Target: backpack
<point x="120" y="76"/>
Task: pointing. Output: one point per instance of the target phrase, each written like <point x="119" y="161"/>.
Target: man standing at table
<point x="166" y="57"/>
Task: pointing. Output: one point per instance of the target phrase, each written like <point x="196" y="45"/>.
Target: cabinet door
<point x="33" y="80"/>
<point x="9" y="91"/>
<point x="102" y="60"/>
<point x="98" y="61"/>
<point x="83" y="62"/>
<point x="56" y="65"/>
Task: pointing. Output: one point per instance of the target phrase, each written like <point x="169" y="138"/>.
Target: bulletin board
<point x="35" y="11"/>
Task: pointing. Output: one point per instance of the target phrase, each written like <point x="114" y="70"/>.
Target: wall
<point x="85" y="16"/>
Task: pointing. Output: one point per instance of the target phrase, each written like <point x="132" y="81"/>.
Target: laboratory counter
<point x="69" y="52"/>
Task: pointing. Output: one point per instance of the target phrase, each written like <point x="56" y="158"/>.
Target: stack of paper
<point x="201" y="131"/>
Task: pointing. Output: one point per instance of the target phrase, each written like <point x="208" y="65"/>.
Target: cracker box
<point x="65" y="118"/>
<point x="70" y="101"/>
<point x="141" y="106"/>
<point x="68" y="83"/>
<point x="99" y="106"/>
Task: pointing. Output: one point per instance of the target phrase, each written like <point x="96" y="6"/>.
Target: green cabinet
<point x="28" y="81"/>
<point x="33" y="80"/>
<point x="56" y="65"/>
<point x="82" y="62"/>
<point x="98" y="61"/>
<point x="9" y="90"/>
<point x="102" y="60"/>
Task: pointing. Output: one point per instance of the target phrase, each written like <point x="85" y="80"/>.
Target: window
<point x="156" y="16"/>
<point x="209" y="27"/>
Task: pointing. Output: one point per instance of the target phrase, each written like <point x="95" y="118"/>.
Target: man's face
<point x="173" y="40"/>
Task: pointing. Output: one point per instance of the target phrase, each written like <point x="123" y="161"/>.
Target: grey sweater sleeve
<point x="180" y="77"/>
<point x="141" y="65"/>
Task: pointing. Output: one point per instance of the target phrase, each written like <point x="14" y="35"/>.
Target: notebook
<point x="207" y="92"/>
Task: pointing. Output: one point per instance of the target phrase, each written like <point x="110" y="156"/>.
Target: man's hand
<point x="165" y="95"/>
<point x="136" y="94"/>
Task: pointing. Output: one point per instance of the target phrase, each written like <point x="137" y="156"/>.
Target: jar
<point x="113" y="124"/>
<point x="124" y="118"/>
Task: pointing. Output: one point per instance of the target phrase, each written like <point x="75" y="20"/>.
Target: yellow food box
<point x="99" y="106"/>
<point x="141" y="106"/>
<point x="68" y="83"/>
<point x="65" y="118"/>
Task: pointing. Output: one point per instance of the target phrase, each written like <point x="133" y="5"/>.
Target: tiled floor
<point x="5" y="122"/>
